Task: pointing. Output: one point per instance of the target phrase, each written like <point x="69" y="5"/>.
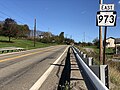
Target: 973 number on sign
<point x="106" y="19"/>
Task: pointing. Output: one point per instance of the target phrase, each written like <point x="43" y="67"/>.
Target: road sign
<point x="106" y="7"/>
<point x="106" y="18"/>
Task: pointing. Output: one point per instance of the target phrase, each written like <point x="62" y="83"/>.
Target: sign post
<point x="100" y="41"/>
<point x="104" y="43"/>
<point x="106" y="17"/>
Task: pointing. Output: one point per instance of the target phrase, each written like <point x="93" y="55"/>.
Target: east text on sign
<point x="106" y="7"/>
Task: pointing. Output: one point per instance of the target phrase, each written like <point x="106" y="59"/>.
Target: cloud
<point x="83" y="12"/>
<point x="119" y="2"/>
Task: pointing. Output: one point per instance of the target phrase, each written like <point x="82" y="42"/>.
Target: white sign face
<point x="106" y="18"/>
<point x="106" y="7"/>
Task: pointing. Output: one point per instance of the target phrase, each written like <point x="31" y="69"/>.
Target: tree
<point x="26" y="30"/>
<point x="69" y="41"/>
<point x="1" y="29"/>
<point x="96" y="42"/>
<point x="89" y="44"/>
<point x="56" y="38"/>
<point x="23" y="30"/>
<point x="9" y="28"/>
<point x="46" y="37"/>
<point x="61" y="37"/>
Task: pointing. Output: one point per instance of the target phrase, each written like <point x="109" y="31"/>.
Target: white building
<point x="110" y="42"/>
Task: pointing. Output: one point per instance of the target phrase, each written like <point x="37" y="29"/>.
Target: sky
<point x="76" y="18"/>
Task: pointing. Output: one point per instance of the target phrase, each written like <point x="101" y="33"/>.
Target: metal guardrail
<point x="7" y="49"/>
<point x="96" y="82"/>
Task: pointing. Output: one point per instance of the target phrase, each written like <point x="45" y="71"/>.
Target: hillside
<point x="27" y="44"/>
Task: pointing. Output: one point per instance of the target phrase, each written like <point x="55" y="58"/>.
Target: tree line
<point x="9" y="28"/>
<point x="48" y="37"/>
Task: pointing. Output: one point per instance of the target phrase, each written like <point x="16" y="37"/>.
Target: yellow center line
<point x="25" y="55"/>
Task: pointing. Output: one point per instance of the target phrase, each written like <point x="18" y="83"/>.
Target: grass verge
<point x="114" y="67"/>
<point x="27" y="44"/>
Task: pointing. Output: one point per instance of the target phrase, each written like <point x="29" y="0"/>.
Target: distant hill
<point x="1" y="22"/>
<point x="37" y="33"/>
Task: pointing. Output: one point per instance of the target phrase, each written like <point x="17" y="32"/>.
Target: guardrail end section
<point x="104" y="75"/>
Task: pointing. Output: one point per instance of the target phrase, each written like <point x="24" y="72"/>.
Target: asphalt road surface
<point x="36" y="69"/>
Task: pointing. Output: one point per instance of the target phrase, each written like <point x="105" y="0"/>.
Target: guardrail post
<point x="84" y="56"/>
<point x="90" y="61"/>
<point x="81" y="53"/>
<point x="104" y="75"/>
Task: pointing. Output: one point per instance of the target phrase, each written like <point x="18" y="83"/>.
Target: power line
<point x="11" y="17"/>
<point x="1" y="17"/>
<point x="9" y="9"/>
<point x="5" y="14"/>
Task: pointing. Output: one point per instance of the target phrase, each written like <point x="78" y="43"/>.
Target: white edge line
<point x="40" y="81"/>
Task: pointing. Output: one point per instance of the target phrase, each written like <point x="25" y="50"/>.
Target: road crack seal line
<point x="20" y="72"/>
<point x="41" y="80"/>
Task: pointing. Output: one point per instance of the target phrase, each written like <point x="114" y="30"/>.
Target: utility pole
<point x="84" y="36"/>
<point x="34" y="31"/>
<point x="70" y="36"/>
<point x="100" y="41"/>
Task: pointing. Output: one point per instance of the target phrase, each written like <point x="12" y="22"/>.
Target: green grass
<point x="27" y="44"/>
<point x="114" y="67"/>
<point x="108" y="50"/>
<point x="94" y="48"/>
